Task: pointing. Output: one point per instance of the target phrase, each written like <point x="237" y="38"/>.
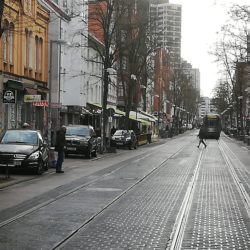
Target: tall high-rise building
<point x="192" y="73"/>
<point x="166" y="21"/>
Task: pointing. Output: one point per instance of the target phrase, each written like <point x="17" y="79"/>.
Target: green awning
<point x="143" y="122"/>
<point x="14" y="84"/>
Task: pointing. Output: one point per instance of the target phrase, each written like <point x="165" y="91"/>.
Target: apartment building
<point x="166" y="21"/>
<point x="192" y="73"/>
<point x="23" y="64"/>
<point x="204" y="106"/>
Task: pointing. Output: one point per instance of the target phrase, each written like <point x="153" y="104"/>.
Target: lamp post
<point x="157" y="96"/>
<point x="240" y="98"/>
<point x="52" y="42"/>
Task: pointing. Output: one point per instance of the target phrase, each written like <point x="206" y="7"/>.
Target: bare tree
<point x="231" y="53"/>
<point x="104" y="17"/>
<point x="133" y="55"/>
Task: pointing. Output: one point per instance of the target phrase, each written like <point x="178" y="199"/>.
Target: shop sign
<point x="43" y="103"/>
<point x="32" y="98"/>
<point x="55" y="105"/>
<point x="9" y="96"/>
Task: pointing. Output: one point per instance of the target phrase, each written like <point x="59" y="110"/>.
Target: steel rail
<point x="242" y="191"/>
<point x="181" y="220"/>
<point x="63" y="242"/>
<point x="84" y="186"/>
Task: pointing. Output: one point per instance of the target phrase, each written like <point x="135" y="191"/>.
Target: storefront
<point x="17" y="105"/>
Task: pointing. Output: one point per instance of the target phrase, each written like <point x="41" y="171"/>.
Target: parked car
<point x="24" y="148"/>
<point x="81" y="139"/>
<point x="124" y="138"/>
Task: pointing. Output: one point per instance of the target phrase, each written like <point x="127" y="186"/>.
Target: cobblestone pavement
<point x="144" y="218"/>
<point x="140" y="197"/>
<point x="218" y="218"/>
<point x="136" y="202"/>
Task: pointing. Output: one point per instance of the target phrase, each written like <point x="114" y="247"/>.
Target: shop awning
<point x="118" y="112"/>
<point x="143" y="122"/>
<point x="147" y="117"/>
<point x="31" y="91"/>
<point x="42" y="89"/>
<point x="138" y="116"/>
<point x="14" y="84"/>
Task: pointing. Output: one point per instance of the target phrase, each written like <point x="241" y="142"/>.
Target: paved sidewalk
<point x="17" y="178"/>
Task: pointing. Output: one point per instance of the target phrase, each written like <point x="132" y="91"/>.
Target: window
<point x="124" y="63"/>
<point x="5" y="41"/>
<point x="120" y="91"/>
<point x="40" y="54"/>
<point x="37" y="53"/>
<point x="11" y="45"/>
<point x="28" y="54"/>
<point x="26" y="63"/>
<point x="30" y="50"/>
<point x="38" y="58"/>
<point x="29" y="6"/>
<point x="5" y="34"/>
<point x="65" y="4"/>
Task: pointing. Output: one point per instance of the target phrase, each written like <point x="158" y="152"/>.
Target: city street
<point x="165" y="195"/>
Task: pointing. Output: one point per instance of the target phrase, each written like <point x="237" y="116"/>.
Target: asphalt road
<point x="167" y="195"/>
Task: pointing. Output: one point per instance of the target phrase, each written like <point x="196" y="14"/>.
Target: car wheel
<point x="88" y="154"/>
<point x="94" y="153"/>
<point x="39" y="169"/>
<point x="46" y="166"/>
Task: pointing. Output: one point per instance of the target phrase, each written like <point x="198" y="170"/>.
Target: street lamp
<point x="240" y="98"/>
<point x="52" y="42"/>
<point x="157" y="96"/>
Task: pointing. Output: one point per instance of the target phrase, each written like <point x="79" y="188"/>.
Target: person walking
<point x="201" y="136"/>
<point x="59" y="147"/>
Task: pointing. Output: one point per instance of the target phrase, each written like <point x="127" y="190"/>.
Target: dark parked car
<point x="124" y="138"/>
<point x="81" y="139"/>
<point x="24" y="148"/>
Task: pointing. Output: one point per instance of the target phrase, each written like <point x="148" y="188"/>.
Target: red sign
<point x="41" y="104"/>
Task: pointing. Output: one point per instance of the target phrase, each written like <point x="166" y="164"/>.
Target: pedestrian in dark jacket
<point x="59" y="147"/>
<point x="201" y="136"/>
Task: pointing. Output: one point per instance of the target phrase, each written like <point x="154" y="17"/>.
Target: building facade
<point x="23" y="64"/>
<point x="166" y="21"/>
<point x="204" y="106"/>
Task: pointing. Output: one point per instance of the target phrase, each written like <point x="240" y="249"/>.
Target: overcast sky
<point x="201" y="19"/>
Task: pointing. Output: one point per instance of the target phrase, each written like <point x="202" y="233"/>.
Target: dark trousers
<point x="60" y="159"/>
<point x="202" y="141"/>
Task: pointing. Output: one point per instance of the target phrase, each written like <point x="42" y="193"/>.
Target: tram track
<point x="85" y="186"/>
<point x="180" y="224"/>
<point x="242" y="191"/>
<point x="175" y="242"/>
<point x="61" y="244"/>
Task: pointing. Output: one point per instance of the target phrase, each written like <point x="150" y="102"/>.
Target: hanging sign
<point x="32" y="98"/>
<point x="9" y="96"/>
<point x="43" y="103"/>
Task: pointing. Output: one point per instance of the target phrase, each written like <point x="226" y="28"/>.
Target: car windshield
<point x="77" y="131"/>
<point x="121" y="132"/>
<point x="22" y="137"/>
